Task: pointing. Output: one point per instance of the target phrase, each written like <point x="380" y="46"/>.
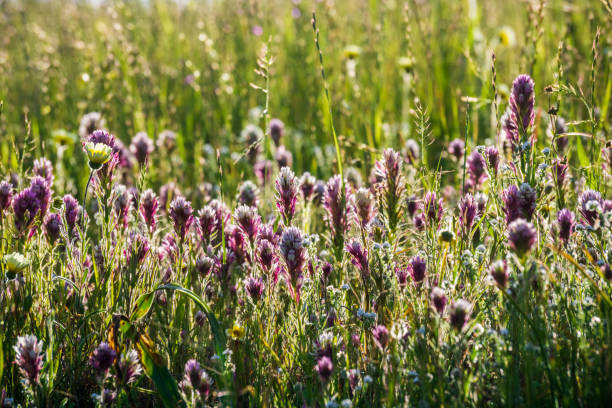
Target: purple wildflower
<point x="432" y="208"/>
<point x="121" y="204"/>
<point x="141" y="147"/>
<point x="522" y="101"/>
<point x="276" y="129"/>
<point x="102" y="136"/>
<point x="254" y="287"/>
<point x="167" y="192"/>
<point x="286" y="194"/>
<point x="43" y="168"/>
<point x="129" y="367"/>
<point x="565" y="223"/>
<point x="25" y="207"/>
<point x="467" y="212"/>
<point x="363" y="207"/>
<point x="283" y="157"/>
<point x="265" y="254"/>
<point x="6" y="195"/>
<point x="52" y="226"/>
<point x="293" y="254"/>
<point x="402" y="276"/>
<point x="248" y="194"/>
<point x="42" y="191"/>
<point x="138" y="247"/>
<point x="391" y="192"/>
<point x="71" y="211"/>
<point x="335" y="207"/>
<point x="166" y="140"/>
<point x="589" y="206"/>
<point x="324" y="368"/>
<point x="307" y="185"/>
<point x="438" y="298"/>
<point x="29" y="357"/>
<point x="456" y="148"/>
<point x="381" y="336"/>
<point x="418" y="268"/>
<point x="148" y="208"/>
<point x="413" y="151"/>
<point x="460" y="313"/>
<point x="181" y="214"/>
<point x="477" y="168"/>
<point x="519" y="202"/>
<point x="252" y="136"/>
<point x="263" y="170"/>
<point x="102" y="359"/>
<point x="492" y="155"/>
<point x="412" y="204"/>
<point x="359" y="256"/>
<point x="89" y="123"/>
<point x="521" y="236"/>
<point x="499" y="273"/>
<point x="248" y="221"/>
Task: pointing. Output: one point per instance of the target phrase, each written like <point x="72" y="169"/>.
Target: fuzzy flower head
<point x="477" y="168"/>
<point x="307" y="185"/>
<point x="456" y="148"/>
<point x="359" y="257"/>
<point x="149" y="205"/>
<point x="141" y="147"/>
<point x="276" y="129"/>
<point x="522" y="101"/>
<point x="254" y="287"/>
<point x="102" y="359"/>
<point x="460" y="313"/>
<point x="43" y="168"/>
<point x="283" y="157"/>
<point x="101" y="136"/>
<point x="252" y="137"/>
<point x="293" y="254"/>
<point x="129" y="366"/>
<point x="166" y="140"/>
<point x="52" y="225"/>
<point x="438" y="299"/>
<point x="432" y="208"/>
<point x="521" y="236"/>
<point x="247" y="220"/>
<point x="492" y="155"/>
<point x="499" y="272"/>
<point x="98" y="154"/>
<point x="181" y="214"/>
<point x="519" y="202"/>
<point x="381" y="336"/>
<point x="6" y="195"/>
<point x="248" y="194"/>
<point x="468" y="210"/>
<point x="324" y="368"/>
<point x="71" y="212"/>
<point x="335" y="207"/>
<point x="29" y="357"/>
<point x="42" y="190"/>
<point x="418" y="268"/>
<point x="363" y="206"/>
<point x="89" y="123"/>
<point x="590" y="205"/>
<point x="565" y="224"/>
<point x="287" y="186"/>
<point x="26" y="205"/>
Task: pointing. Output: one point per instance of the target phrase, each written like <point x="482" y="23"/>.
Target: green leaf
<point x="583" y="159"/>
<point x="142" y="307"/>
<point x="215" y="326"/>
<point x="155" y="368"/>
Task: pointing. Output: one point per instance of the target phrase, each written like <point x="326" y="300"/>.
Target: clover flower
<point x="336" y="214"/>
<point x="438" y="298"/>
<point x="254" y="287"/>
<point x="589" y="206"/>
<point x="381" y="336"/>
<point x="149" y="204"/>
<point x="6" y="195"/>
<point x="460" y="313"/>
<point x="324" y="368"/>
<point x="129" y="366"/>
<point x="276" y="130"/>
<point x="359" y="256"/>
<point x="248" y="220"/>
<point x="89" y="123"/>
<point x="102" y="359"/>
<point x="565" y="222"/>
<point x="521" y="236"/>
<point x="307" y="185"/>
<point x="181" y="214"/>
<point x="432" y="208"/>
<point x="363" y="207"/>
<point x="417" y="267"/>
<point x="26" y="205"/>
<point x="293" y="254"/>
<point x="499" y="272"/>
<point x="71" y="212"/>
<point x="283" y="157"/>
<point x="456" y="148"/>
<point x="519" y="202"/>
<point x="522" y="101"/>
<point x="43" y="168"/>
<point x="477" y="168"/>
<point x="248" y="194"/>
<point x="52" y="225"/>
<point x="468" y="211"/>
<point x="141" y="147"/>
<point x="286" y="194"/>
<point x="29" y="358"/>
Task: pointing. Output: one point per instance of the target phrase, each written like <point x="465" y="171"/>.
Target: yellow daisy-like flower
<point x="507" y="37"/>
<point x="352" y="51"/>
<point x="236" y="332"/>
<point x="98" y="154"/>
<point x="63" y="138"/>
<point x="15" y="262"/>
<point x="405" y="63"/>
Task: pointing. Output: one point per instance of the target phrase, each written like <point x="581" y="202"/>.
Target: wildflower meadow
<point x="305" y="203"/>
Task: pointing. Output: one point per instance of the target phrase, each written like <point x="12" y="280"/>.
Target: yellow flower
<point x="236" y="332"/>
<point x="352" y="51"/>
<point x="405" y="63"/>
<point x="98" y="154"/>
<point x="15" y="262"/>
<point x="507" y="36"/>
<point x="63" y="138"/>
